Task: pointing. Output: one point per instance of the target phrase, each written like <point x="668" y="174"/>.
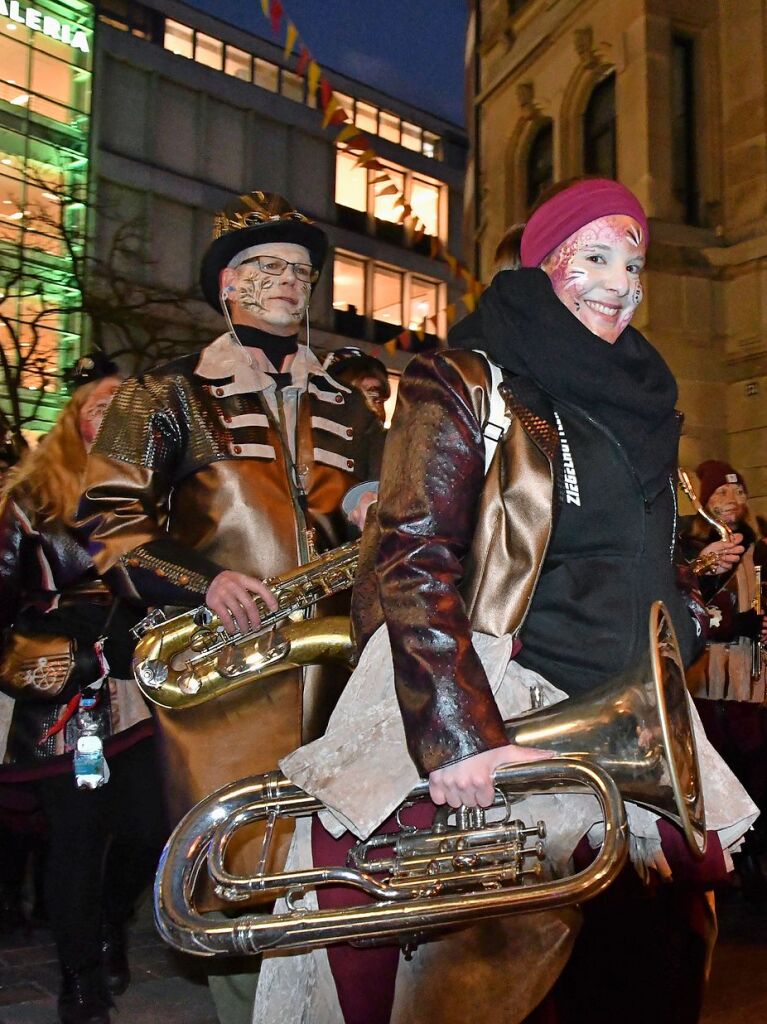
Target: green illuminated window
<point x="45" y="96"/>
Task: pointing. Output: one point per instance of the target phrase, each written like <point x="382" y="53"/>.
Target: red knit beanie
<point x="570" y="210"/>
<point x="713" y="474"/>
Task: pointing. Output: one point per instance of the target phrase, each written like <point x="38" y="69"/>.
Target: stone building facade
<point x="669" y="96"/>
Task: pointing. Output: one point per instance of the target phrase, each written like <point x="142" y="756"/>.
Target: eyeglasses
<point x="276" y="266"/>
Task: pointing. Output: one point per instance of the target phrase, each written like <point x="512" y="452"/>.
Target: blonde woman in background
<point x="103" y="842"/>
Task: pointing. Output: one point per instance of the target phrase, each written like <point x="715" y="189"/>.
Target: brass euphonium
<point x="633" y="738"/>
<point x="190" y="658"/>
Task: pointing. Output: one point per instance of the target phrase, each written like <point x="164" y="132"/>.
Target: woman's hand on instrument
<point x="728" y="553"/>
<point x="230" y="597"/>
<point x="470" y="781"/>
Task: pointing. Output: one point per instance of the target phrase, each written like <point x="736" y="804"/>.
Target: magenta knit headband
<point x="569" y="210"/>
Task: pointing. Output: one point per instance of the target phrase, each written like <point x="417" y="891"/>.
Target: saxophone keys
<point x="189" y="683"/>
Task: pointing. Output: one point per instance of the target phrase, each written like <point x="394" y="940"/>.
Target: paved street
<point x="163" y="989"/>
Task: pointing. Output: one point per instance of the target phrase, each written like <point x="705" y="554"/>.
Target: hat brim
<point x="222" y="251"/>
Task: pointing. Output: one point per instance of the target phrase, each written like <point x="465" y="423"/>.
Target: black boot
<point x="11" y="909"/>
<point x="116" y="969"/>
<point x="83" y="998"/>
<point x="753" y="884"/>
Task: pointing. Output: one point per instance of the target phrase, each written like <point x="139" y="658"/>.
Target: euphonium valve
<point x="632" y="739"/>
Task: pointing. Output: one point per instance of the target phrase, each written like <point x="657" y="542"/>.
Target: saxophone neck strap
<point x="499" y="419"/>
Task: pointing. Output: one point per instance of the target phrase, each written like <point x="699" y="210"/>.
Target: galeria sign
<point x="45" y="23"/>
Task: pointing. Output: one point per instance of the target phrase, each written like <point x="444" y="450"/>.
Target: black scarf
<point x="274" y="346"/>
<point x="626" y="386"/>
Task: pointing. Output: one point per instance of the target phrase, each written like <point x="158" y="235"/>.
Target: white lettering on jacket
<point x="572" y="493"/>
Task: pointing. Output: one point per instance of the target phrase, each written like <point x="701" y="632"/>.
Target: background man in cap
<point x="209" y="473"/>
<point x="729" y="697"/>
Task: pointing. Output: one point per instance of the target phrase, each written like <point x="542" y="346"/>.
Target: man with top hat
<point x="226" y="467"/>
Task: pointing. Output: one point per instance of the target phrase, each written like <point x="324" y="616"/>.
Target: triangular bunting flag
<point x="276" y="15"/>
<point x="313" y="77"/>
<point x="290" y="39"/>
<point x="303" y="60"/>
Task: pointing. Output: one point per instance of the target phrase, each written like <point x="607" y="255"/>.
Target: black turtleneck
<point x="274" y="346"/>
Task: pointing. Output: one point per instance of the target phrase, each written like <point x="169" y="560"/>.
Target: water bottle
<point x="91" y="769"/>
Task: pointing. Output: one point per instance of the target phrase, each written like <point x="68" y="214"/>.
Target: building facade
<point x="165" y="113"/>
<point x="191" y="110"/>
<point x="670" y="97"/>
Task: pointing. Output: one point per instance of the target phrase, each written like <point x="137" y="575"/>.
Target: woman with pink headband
<point x="549" y="525"/>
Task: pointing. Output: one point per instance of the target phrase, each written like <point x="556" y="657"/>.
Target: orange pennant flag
<point x="265" y="7"/>
<point x="365" y="158"/>
<point x="313" y="77"/>
<point x="390" y="190"/>
<point x="347" y="132"/>
<point x="391" y="346"/>
<point x="451" y="261"/>
<point x="291" y="36"/>
<point x="330" y="109"/>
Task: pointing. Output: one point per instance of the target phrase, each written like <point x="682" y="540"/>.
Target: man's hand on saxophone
<point x="231" y="597"/>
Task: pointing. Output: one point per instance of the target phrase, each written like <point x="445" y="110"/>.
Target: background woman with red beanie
<point x="729" y="698"/>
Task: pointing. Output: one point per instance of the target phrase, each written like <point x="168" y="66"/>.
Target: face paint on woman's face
<point x="595" y="273"/>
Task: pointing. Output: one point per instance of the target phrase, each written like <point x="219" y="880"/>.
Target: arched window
<point x="540" y="163"/>
<point x="599" y="149"/>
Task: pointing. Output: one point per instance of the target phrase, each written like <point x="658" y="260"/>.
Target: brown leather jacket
<point x="191" y="473"/>
<point x="446" y="555"/>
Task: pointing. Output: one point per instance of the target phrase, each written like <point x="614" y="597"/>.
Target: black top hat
<point x="254" y="219"/>
<point x="89" y="368"/>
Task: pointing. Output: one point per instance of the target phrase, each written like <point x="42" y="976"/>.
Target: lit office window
<point x="431" y="145"/>
<point x="345" y="103"/>
<point x="411" y="136"/>
<point x="52" y="79"/>
<point x="11" y="200"/>
<point x="366" y="117"/>
<point x="14" y="57"/>
<point x="349" y="284"/>
<point x="388" y="126"/>
<point x="267" y="75"/>
<point x="384" y="207"/>
<point x="178" y="38"/>
<point x="351" y="183"/>
<point x="424" y="198"/>
<point x="237" y="63"/>
<point x="209" y="51"/>
<point x="387" y="295"/>
<point x="423" y="304"/>
<point x="292" y="86"/>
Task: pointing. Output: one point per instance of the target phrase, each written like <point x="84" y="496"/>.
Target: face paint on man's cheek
<point x="250" y="291"/>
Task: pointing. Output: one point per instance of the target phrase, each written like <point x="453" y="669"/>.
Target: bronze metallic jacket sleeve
<point x="125" y="503"/>
<point x="431" y="481"/>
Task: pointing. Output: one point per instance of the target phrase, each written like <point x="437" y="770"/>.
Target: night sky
<point x="412" y="49"/>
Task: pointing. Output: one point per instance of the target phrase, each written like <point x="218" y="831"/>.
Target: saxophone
<point x="190" y="658"/>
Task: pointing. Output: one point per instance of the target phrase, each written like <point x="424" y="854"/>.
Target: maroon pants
<point x="640" y="955"/>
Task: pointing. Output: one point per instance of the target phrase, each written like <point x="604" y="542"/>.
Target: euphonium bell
<point x="633" y="738"/>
